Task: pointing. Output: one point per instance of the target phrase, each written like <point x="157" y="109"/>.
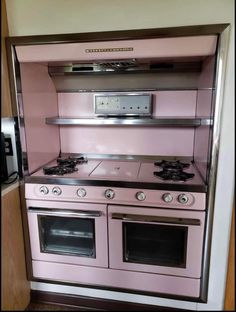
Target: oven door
<point x="156" y="240"/>
<point x="74" y="233"/>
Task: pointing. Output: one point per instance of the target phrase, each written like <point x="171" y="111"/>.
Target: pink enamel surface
<point x="194" y="242"/>
<point x="116" y="169"/>
<point x="39" y="102"/>
<point x="117" y="278"/>
<point x="123" y="196"/>
<point x="165" y="103"/>
<point x="100" y="233"/>
<point x="127" y="140"/>
<point x="204" y="109"/>
<point x="206" y="78"/>
<point x="142" y="48"/>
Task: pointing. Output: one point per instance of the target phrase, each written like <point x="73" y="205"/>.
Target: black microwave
<point x="4" y="171"/>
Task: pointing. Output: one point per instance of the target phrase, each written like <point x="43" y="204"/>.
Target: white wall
<point x="33" y="17"/>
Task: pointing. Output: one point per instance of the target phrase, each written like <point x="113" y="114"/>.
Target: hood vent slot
<point x="123" y="66"/>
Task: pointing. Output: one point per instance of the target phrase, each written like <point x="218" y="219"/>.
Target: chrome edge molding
<point x="130" y="121"/>
<point x="17" y="107"/>
<point x="220" y="77"/>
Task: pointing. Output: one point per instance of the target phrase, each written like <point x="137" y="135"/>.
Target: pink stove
<point x="107" y="220"/>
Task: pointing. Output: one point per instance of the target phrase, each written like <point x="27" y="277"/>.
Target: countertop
<point x="6" y="188"/>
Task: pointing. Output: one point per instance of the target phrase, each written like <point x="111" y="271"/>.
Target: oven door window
<point x="155" y="244"/>
<point x="65" y="235"/>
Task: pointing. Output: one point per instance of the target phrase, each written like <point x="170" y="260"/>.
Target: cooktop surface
<point x="136" y="171"/>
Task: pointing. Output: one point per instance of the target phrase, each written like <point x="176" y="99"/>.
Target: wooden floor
<point x="54" y="307"/>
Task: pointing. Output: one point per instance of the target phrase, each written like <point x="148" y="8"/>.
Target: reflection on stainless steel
<point x="65" y="212"/>
<point x="130" y="121"/>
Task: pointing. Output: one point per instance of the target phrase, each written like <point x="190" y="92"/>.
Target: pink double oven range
<point x="117" y="140"/>
<point x="125" y="223"/>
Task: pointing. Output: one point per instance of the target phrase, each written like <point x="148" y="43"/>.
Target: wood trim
<point x="230" y="283"/>
<point x="92" y="303"/>
<point x="15" y="292"/>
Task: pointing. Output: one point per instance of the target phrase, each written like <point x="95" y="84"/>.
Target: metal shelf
<point x="130" y="121"/>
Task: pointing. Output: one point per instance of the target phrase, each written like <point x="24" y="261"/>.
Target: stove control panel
<point x="117" y="195"/>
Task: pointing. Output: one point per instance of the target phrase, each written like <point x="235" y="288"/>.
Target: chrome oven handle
<point x="155" y="219"/>
<point x="65" y="212"/>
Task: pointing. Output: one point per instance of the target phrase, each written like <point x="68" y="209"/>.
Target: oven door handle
<point x="67" y="212"/>
<point x="155" y="219"/>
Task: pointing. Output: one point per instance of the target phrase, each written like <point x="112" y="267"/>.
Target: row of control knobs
<point x="110" y="194"/>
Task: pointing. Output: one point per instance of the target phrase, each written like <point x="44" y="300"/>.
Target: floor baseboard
<point x="90" y="303"/>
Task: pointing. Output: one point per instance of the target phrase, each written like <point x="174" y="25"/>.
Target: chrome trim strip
<point x="130" y="90"/>
<point x="128" y="157"/>
<point x="129" y="121"/>
<point x="198" y="188"/>
<point x="65" y="212"/>
<point x="17" y="107"/>
<point x="196" y="30"/>
<point x="155" y="219"/>
<point x="220" y="78"/>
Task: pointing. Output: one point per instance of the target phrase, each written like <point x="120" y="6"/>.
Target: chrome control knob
<point x="81" y="192"/>
<point x="43" y="190"/>
<point x="183" y="198"/>
<point x="109" y="194"/>
<point x="140" y="196"/>
<point x="56" y="191"/>
<point x="167" y="197"/>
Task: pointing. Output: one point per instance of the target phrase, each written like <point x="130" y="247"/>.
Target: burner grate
<point x="65" y="165"/>
<point x="169" y="165"/>
<point x="174" y="176"/>
<point x="173" y="170"/>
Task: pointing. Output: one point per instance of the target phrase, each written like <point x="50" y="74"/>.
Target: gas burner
<point x="177" y="175"/>
<point x="173" y="166"/>
<point x="71" y="161"/>
<point x="59" y="170"/>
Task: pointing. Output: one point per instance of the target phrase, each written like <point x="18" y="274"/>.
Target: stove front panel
<point x="124" y="196"/>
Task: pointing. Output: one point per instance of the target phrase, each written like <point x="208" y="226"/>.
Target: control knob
<point x="43" y="190"/>
<point x="56" y="191"/>
<point x="81" y="192"/>
<point x="183" y="198"/>
<point x="109" y="194"/>
<point x="140" y="196"/>
<point x="167" y="197"/>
